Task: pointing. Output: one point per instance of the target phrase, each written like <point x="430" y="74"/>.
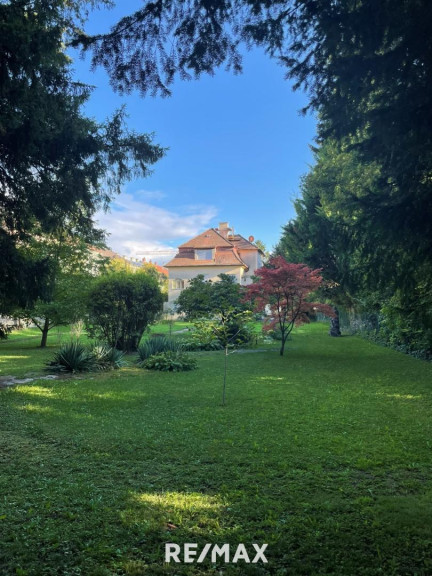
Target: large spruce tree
<point x="57" y="166"/>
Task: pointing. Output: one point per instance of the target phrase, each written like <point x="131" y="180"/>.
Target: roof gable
<point x="208" y="239"/>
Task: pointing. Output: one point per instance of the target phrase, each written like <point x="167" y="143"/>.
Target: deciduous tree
<point x="195" y="300"/>
<point x="63" y="298"/>
<point x="283" y="289"/>
<point x="222" y="298"/>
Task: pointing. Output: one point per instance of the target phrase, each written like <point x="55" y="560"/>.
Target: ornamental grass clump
<point x="170" y="362"/>
<point x="76" y="357"/>
<point x="108" y="358"/>
<point x="157" y="345"/>
<point x="73" y="357"/>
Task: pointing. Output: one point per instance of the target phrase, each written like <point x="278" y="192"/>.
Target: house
<point x="215" y="251"/>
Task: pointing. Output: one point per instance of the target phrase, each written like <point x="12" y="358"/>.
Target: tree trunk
<point x="281" y="351"/>
<point x="334" y="324"/>
<point x="225" y="375"/>
<point x="45" y="330"/>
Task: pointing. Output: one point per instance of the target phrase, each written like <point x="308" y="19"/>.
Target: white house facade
<point x="215" y="251"/>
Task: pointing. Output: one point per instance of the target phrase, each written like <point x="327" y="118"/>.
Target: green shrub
<point x="73" y="357"/>
<point x="211" y="333"/>
<point x="239" y="334"/>
<point x="202" y="336"/>
<point x="157" y="345"/>
<point x="170" y="362"/>
<point x="195" y="345"/>
<point x="275" y="334"/>
<point x="120" y="307"/>
<point x="108" y="358"/>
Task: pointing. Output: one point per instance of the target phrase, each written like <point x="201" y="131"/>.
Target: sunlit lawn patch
<point x="324" y="454"/>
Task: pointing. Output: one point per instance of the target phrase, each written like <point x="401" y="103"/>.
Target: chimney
<point x="224" y="229"/>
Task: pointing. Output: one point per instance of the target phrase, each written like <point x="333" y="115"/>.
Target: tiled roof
<point x="241" y="243"/>
<point x="222" y="258"/>
<point x="105" y="253"/>
<point x="225" y="254"/>
<point x="208" y="239"/>
<point x="161" y="269"/>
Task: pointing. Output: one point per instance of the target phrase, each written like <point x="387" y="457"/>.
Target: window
<point x="177" y="284"/>
<point x="204" y="254"/>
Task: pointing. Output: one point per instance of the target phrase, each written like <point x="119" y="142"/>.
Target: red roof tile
<point x="161" y="269"/>
<point x="225" y="254"/>
<point x="208" y="239"/>
<point x="222" y="258"/>
<point x="239" y="242"/>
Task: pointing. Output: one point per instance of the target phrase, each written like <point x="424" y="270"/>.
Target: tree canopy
<point x="205" y="298"/>
<point x="368" y="84"/>
<point x="283" y="289"/>
<point x="70" y="271"/>
<point x="57" y="166"/>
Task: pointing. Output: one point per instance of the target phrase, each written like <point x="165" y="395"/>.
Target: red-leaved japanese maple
<point x="283" y="289"/>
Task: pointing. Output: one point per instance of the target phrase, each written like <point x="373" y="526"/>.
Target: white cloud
<point x="138" y="229"/>
<point x="150" y="194"/>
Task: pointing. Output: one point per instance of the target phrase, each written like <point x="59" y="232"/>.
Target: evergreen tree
<point x="57" y="167"/>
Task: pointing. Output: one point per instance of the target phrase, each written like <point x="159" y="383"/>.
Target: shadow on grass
<point x="332" y="471"/>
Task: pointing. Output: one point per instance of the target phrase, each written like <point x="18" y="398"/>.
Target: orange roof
<point x="225" y="250"/>
<point x="241" y="243"/>
<point x="208" y="239"/>
<point x="105" y="253"/>
<point x="222" y="258"/>
<point x="160" y="269"/>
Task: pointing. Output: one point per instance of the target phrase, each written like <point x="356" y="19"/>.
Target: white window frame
<point x="177" y="284"/>
<point x="204" y="254"/>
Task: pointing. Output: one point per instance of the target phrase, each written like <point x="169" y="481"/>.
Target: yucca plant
<point x="108" y="358"/>
<point x="73" y="357"/>
<point x="158" y="345"/>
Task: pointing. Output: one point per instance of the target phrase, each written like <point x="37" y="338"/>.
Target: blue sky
<point x="237" y="149"/>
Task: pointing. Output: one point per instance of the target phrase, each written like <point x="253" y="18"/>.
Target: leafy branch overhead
<point x="368" y="84"/>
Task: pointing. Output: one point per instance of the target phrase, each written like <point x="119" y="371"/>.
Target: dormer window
<point x="207" y="254"/>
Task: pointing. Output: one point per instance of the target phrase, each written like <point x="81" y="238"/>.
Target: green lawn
<point x="20" y="354"/>
<point x="324" y="454"/>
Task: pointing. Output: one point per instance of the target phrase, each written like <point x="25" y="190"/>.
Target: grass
<point x="166" y="329"/>
<point x="21" y="354"/>
<point x="324" y="454"/>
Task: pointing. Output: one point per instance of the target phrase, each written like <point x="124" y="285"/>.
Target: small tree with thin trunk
<point x="282" y="289"/>
<point x="63" y="289"/>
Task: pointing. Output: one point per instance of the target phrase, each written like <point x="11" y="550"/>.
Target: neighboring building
<point x="132" y="264"/>
<point x="161" y="269"/>
<point x="215" y="251"/>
